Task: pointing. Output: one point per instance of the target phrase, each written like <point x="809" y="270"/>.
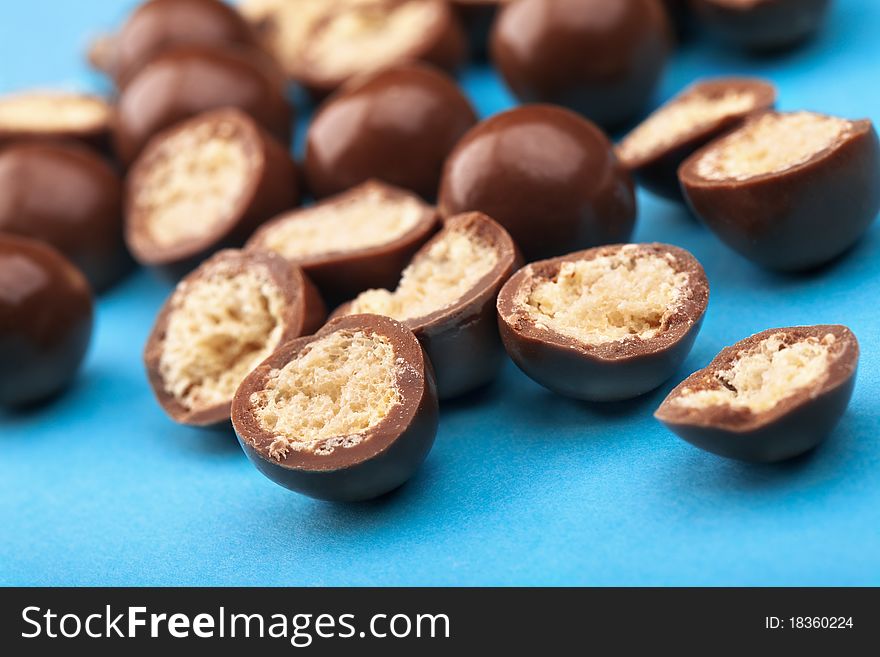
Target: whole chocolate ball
<point x="67" y="196"/>
<point x="549" y="176"/>
<point x="397" y="126"/>
<point x="600" y="58"/>
<point x="45" y="320"/>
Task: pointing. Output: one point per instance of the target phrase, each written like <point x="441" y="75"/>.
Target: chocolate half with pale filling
<point x="347" y="414"/>
<point x="56" y="115"/>
<point x="220" y="322"/>
<point x="770" y="397"/>
<point x="605" y="324"/>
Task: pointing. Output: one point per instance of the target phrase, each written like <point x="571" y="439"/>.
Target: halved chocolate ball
<point x="789" y="191"/>
<point x="761" y="24"/>
<point x="547" y="175"/>
<point x="357" y="240"/>
<point x="446" y="296"/>
<point x="770" y="397"/>
<point x="604" y="324"/>
<point x="41" y="115"/>
<point x="655" y="149"/>
<point x="66" y="195"/>
<point x="220" y="322"/>
<point x="184" y="81"/>
<point x="600" y="58"/>
<point x="45" y="321"/>
<point x="324" y="43"/>
<point x="398" y="126"/>
<point x="347" y="414"/>
<point x="158" y="25"/>
<point x="204" y="184"/>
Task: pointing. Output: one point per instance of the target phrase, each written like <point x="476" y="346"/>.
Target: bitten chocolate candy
<point x="770" y="397"/>
<point x="42" y="115"/>
<point x="357" y="240"/>
<point x="446" y="296"/>
<point x="64" y="194"/>
<point x="397" y="126"/>
<point x="204" y="184"/>
<point x="45" y="321"/>
<point x="547" y="175"/>
<point x="788" y="191"/>
<point x="761" y="24"/>
<point x="604" y="324"/>
<point x="158" y="25"/>
<point x="324" y="43"/>
<point x="602" y="59"/>
<point x="655" y="149"/>
<point x="187" y="80"/>
<point x="347" y="414"/>
<point x="219" y="324"/>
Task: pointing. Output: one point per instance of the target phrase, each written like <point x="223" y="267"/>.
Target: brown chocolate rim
<point x="858" y="129"/>
<point x="841" y="369"/>
<point x="298" y="319"/>
<point x="142" y="246"/>
<point x="495" y="235"/>
<point x="419" y="231"/>
<point x="687" y="315"/>
<point x="379" y="438"/>
<point x="765" y="99"/>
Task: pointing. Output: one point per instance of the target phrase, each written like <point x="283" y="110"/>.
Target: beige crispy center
<point x="52" y="111"/>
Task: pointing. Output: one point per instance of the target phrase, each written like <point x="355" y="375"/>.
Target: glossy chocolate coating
<point x="658" y="171"/>
<point x="390" y="453"/>
<point x="304" y="313"/>
<point x="397" y="126"/>
<point x="341" y="275"/>
<point x="609" y="371"/>
<point x="45" y="321"/>
<point x="271" y="189"/>
<point x="602" y="59"/>
<point x="761" y="24"/>
<point x="796" y="219"/>
<point x="462" y="339"/>
<point x="66" y="195"/>
<point x="794" y="426"/>
<point x="182" y="82"/>
<point x="158" y="25"/>
<point x="97" y="136"/>
<point x="547" y="175"/>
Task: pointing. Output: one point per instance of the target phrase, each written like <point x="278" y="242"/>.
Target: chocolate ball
<point x="397" y="126"/>
<point x="602" y="59"/>
<point x="547" y="175"/>
<point x="185" y="81"/>
<point x="66" y="195"/>
<point x="45" y="321"/>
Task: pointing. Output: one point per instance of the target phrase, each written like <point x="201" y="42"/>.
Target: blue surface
<point x="522" y="487"/>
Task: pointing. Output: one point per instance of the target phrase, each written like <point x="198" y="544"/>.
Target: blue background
<point x="522" y="487"/>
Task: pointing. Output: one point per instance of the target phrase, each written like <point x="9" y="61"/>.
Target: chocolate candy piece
<point x="324" y="43"/>
<point x="547" y="175"/>
<point x="45" y="321"/>
<point x="158" y="25"/>
<point x="761" y="24"/>
<point x="602" y="59"/>
<point x="204" y="184"/>
<point x="357" y="240"/>
<point x="446" y="296"/>
<point x="604" y="324"/>
<point x="222" y="321"/>
<point x="41" y="115"/>
<point x="770" y="397"/>
<point x="398" y="126"/>
<point x="64" y="194"/>
<point x="182" y="82"/>
<point x="770" y="189"/>
<point x="655" y="149"/>
<point x="347" y="414"/>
